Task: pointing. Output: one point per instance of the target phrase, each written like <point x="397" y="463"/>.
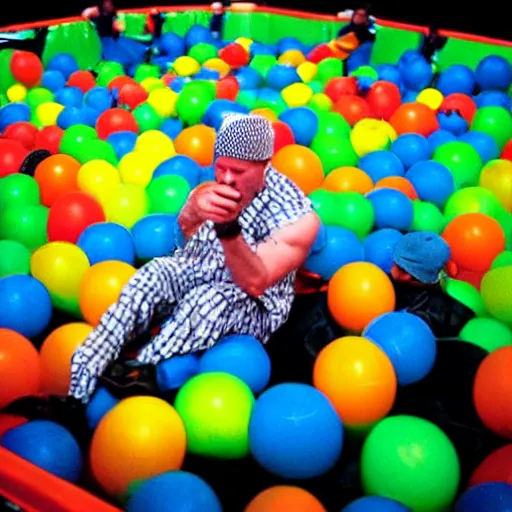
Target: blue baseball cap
<point x="423" y="255"/>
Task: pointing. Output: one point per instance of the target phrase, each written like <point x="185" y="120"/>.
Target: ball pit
<point x="94" y="169"/>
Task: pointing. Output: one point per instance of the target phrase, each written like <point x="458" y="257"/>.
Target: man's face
<point x="360" y="17"/>
<point x="244" y="176"/>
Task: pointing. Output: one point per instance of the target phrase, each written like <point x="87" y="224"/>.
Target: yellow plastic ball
<point x="219" y="65"/>
<point x="370" y="135"/>
<point x="320" y="101"/>
<point x="245" y="42"/>
<point x="127" y="204"/>
<point x="47" y="113"/>
<point x="297" y="95"/>
<point x="496" y="176"/>
<point x="307" y="71"/>
<point x="136" y="168"/>
<point x="16" y="92"/>
<point x="186" y="66"/>
<point x="163" y="100"/>
<point x="152" y="83"/>
<point x="139" y="438"/>
<point x="98" y="178"/>
<point x="60" y="266"/>
<point x="155" y="142"/>
<point x="292" y="58"/>
<point x="430" y="97"/>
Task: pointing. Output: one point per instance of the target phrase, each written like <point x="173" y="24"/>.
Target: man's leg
<point x="153" y="290"/>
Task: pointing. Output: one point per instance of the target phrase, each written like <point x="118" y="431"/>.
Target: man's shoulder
<point x="281" y="186"/>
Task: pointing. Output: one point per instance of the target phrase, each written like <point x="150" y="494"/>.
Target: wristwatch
<point x="228" y="230"/>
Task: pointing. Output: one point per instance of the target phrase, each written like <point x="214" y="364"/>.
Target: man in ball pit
<point x="241" y="240"/>
<point x="421" y="261"/>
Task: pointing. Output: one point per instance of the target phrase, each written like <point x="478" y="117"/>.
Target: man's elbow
<point x="256" y="287"/>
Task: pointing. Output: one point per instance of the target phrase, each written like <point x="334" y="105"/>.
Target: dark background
<point x="486" y="19"/>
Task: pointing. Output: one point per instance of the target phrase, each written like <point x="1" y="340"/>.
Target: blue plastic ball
<point x="180" y="165"/>
<point x="280" y="76"/>
<point x="389" y="73"/>
<point x="375" y="504"/>
<point x="303" y="122"/>
<point x="154" y="236"/>
<point x="174" y="491"/>
<point x="458" y="78"/>
<point x="107" y="241"/>
<point x="452" y="122"/>
<point x="289" y="43"/>
<point x="98" y="98"/>
<point x="411" y="148"/>
<point x="64" y="63"/>
<point x="381" y="164"/>
<point x="493" y="99"/>
<point x="122" y="142"/>
<point x="341" y="246"/>
<point x="174" y="372"/>
<point x="248" y="78"/>
<point x="70" y="97"/>
<point x="218" y="109"/>
<point x="379" y="247"/>
<point x="12" y="113"/>
<point x="242" y="356"/>
<point x="101" y="402"/>
<point x="25" y="305"/>
<point x="171" y="127"/>
<point x="392" y="209"/>
<point x="262" y="49"/>
<point x="416" y="73"/>
<point x="432" y="181"/>
<point x="197" y="34"/>
<point x="48" y="446"/>
<point x="494" y="72"/>
<point x="485" y="145"/>
<point x="488" y="497"/>
<point x="53" y="80"/>
<point x="440" y="137"/>
<point x="409" y="343"/>
<point x="172" y="45"/>
<point x="281" y="429"/>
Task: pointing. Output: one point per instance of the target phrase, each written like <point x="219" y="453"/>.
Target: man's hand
<point x="209" y="201"/>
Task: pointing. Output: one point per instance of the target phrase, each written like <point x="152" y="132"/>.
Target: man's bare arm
<point x="285" y="252"/>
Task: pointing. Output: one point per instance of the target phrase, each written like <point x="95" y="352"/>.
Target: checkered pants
<point x="198" y="314"/>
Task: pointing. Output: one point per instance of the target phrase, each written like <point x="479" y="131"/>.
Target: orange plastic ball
<point x="348" y="179"/>
<point x="196" y="142"/>
<point x="266" y="113"/>
<point x="398" y="183"/>
<point x="414" y="118"/>
<point x="301" y="165"/>
<point x="56" y="353"/>
<point x="358" y="378"/>
<point x="139" y="438"/>
<point x="475" y="239"/>
<point x="359" y="292"/>
<point x="492" y="392"/>
<point x="56" y="175"/>
<point x="20" y="367"/>
<point x="284" y="498"/>
<point x="101" y="286"/>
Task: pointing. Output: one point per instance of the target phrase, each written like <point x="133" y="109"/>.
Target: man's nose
<point x="229" y="178"/>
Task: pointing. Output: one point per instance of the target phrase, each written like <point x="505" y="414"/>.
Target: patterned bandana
<point x="245" y="137"/>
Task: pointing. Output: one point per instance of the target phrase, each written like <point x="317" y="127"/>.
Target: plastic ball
<point x="494" y="72"/>
<point x="280" y="432"/>
<point x="48" y="446"/>
<point x="284" y="497"/>
<point x="216" y="409"/>
<point x="139" y="438"/>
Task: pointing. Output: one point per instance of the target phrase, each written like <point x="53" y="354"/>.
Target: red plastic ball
<point x="496" y="467"/>
<point x="235" y="55"/>
<point x="353" y="109"/>
<point x="70" y="214"/>
<point x="383" y="99"/>
<point x="23" y="132"/>
<point x="84" y="80"/>
<point x="132" y="95"/>
<point x="115" y="120"/>
<point x="26" y="68"/>
<point x="319" y="53"/>
<point x="120" y="81"/>
<point x="283" y="135"/>
<point x="462" y="103"/>
<point x="227" y="88"/>
<point x="341" y="86"/>
<point x="49" y="138"/>
<point x="414" y="118"/>
<point x="168" y="78"/>
<point x="507" y="151"/>
<point x="12" y="154"/>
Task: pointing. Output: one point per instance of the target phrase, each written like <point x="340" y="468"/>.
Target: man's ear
<point x="452" y="269"/>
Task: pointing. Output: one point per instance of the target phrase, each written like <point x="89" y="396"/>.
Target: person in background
<point x="432" y="43"/>
<point x="217" y="20"/>
<point x="361" y="24"/>
<point x="154" y="26"/>
<point x="421" y="262"/>
<point x="115" y="46"/>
